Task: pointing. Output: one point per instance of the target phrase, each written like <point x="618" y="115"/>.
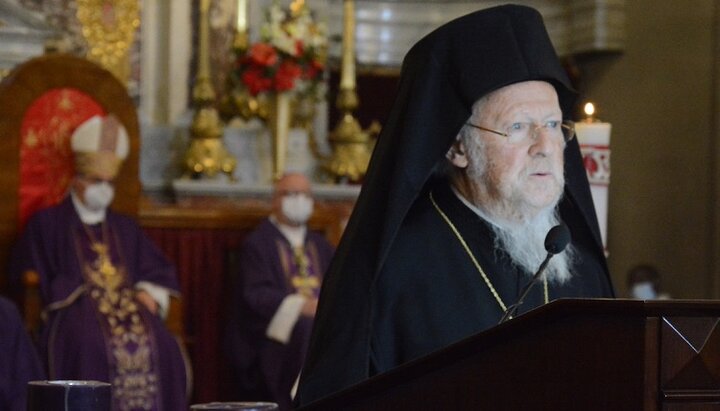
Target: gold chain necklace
<point x="475" y="261"/>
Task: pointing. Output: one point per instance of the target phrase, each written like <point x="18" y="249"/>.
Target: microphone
<point x="555" y="242"/>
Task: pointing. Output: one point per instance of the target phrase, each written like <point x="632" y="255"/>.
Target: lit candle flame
<point x="589" y="109"/>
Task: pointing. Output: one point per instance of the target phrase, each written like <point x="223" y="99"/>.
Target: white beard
<point x="525" y="244"/>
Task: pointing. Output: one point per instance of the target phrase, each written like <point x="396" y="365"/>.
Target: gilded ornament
<point x="206" y="155"/>
<point x="109" y="28"/>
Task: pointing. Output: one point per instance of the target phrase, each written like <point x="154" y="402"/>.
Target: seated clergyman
<point x="103" y="283"/>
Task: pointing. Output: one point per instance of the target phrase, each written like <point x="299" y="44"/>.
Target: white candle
<point x="241" y="15"/>
<point x="591" y="131"/>
<point x="594" y="134"/>
<point x="594" y="139"/>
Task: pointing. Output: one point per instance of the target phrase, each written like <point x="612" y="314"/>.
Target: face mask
<point x="297" y="208"/>
<point x="98" y="196"/>
<point x="643" y="291"/>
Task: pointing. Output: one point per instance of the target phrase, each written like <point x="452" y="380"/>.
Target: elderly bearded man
<point x="473" y="167"/>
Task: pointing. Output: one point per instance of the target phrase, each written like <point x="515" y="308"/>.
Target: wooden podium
<point x="568" y="355"/>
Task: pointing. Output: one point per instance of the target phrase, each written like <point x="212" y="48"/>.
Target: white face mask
<point x="644" y="291"/>
<point x="297" y="208"/>
<point x="98" y="196"/>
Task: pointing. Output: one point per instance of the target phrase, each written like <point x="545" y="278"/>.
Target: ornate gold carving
<point x="109" y="27"/>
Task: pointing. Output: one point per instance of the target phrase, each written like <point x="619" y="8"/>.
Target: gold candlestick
<point x="206" y="155"/>
<point x="350" y="143"/>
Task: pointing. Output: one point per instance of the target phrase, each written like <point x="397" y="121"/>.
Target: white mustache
<point x="544" y="166"/>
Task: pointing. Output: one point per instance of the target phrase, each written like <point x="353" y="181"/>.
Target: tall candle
<point x="241" y="15"/>
<point x="347" y="69"/>
<point x="594" y="138"/>
<point x="591" y="131"/>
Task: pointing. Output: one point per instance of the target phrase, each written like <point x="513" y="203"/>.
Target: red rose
<point x="314" y="68"/>
<point x="255" y="81"/>
<point x="299" y="48"/>
<point x="263" y="54"/>
<point x="286" y="75"/>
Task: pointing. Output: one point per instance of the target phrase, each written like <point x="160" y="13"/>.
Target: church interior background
<point x="652" y="69"/>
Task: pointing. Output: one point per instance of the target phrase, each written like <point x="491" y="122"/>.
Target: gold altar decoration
<point x="109" y="28"/>
<point x="352" y="146"/>
<point x="206" y="155"/>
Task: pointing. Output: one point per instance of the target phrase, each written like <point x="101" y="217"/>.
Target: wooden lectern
<point x="568" y="355"/>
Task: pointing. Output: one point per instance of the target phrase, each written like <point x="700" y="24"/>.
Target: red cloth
<point x="46" y="161"/>
<point x="201" y="257"/>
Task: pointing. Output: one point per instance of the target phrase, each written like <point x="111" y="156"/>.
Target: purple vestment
<point x="268" y="271"/>
<point x="19" y="363"/>
<point x="95" y="329"/>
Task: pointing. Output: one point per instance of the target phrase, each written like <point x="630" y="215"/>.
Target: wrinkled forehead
<point x="527" y="100"/>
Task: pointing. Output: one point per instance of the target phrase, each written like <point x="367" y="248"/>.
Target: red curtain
<point x="201" y="257"/>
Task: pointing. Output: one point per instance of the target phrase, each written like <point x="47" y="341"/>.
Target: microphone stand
<point x="525" y="291"/>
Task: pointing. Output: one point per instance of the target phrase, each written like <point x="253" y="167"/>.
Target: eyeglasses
<point x="523" y="132"/>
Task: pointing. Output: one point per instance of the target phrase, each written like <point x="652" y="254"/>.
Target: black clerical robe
<point x="429" y="293"/>
<point x="388" y="279"/>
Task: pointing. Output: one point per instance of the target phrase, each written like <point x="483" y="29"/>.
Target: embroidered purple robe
<point x="19" y="362"/>
<point x="267" y="272"/>
<point x="95" y="329"/>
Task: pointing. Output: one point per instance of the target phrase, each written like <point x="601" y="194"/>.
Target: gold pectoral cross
<point x="303" y="282"/>
<point x="103" y="263"/>
<point x="104" y="266"/>
<point x="305" y="285"/>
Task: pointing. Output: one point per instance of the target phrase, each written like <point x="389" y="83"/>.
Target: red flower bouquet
<point x="290" y="55"/>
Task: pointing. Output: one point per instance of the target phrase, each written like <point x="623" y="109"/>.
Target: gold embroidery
<point x="134" y="380"/>
<point x="303" y="281"/>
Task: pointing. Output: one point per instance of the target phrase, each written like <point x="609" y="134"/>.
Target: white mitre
<point x="100" y="145"/>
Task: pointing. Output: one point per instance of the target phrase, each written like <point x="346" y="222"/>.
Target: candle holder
<point x="352" y="146"/>
<point x="207" y="155"/>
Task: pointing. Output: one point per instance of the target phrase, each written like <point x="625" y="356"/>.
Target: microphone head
<point x="557" y="239"/>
